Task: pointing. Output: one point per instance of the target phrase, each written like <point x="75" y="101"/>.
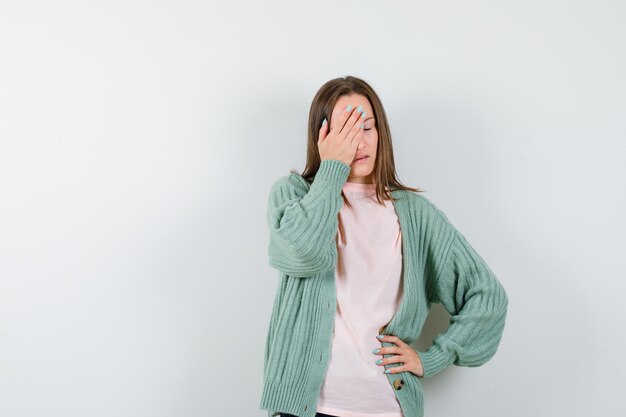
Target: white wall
<point x="138" y="141"/>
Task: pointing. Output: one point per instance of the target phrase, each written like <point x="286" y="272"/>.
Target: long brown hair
<point x="322" y="107"/>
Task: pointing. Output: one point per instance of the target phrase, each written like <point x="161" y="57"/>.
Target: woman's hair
<point x="322" y="107"/>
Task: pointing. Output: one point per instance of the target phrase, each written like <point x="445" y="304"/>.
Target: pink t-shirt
<point x="368" y="279"/>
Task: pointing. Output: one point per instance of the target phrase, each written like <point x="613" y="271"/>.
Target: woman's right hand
<point x="342" y="139"/>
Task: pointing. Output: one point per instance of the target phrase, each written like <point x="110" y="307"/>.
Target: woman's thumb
<point x="323" y="131"/>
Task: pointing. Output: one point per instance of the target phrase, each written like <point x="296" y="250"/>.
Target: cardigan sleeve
<point x="477" y="303"/>
<point x="303" y="222"/>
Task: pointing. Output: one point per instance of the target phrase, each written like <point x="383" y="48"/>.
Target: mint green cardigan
<point x="439" y="266"/>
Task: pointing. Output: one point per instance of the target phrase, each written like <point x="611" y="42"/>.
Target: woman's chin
<point x="361" y="171"/>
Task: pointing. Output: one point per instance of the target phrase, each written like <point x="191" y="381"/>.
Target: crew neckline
<point x="355" y="190"/>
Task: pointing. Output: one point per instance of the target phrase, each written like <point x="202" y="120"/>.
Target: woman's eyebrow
<point x="367" y="118"/>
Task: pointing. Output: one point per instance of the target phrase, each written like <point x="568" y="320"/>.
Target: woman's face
<point x="361" y="171"/>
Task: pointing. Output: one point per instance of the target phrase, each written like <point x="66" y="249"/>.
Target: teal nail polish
<point x="387" y="371"/>
<point x="362" y="124"/>
<point x="380" y="336"/>
<point x="349" y="107"/>
<point x="363" y="115"/>
<point x="359" y="109"/>
<point x="378" y="362"/>
<point x="376" y="351"/>
<point x="324" y="122"/>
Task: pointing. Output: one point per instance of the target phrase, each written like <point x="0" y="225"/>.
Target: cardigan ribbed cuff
<point x="330" y="177"/>
<point x="434" y="360"/>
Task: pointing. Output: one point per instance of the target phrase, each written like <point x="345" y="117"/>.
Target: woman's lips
<point x="361" y="159"/>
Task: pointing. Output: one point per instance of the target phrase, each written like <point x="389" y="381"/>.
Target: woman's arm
<point x="303" y="223"/>
<point x="477" y="303"/>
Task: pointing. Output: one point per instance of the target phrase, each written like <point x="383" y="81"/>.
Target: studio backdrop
<point x="139" y="141"/>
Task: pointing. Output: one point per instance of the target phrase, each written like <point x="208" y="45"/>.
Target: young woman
<point x="361" y="259"/>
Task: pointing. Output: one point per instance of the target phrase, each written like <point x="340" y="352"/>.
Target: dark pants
<point x="316" y="415"/>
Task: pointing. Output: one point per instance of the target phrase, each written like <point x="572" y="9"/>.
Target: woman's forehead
<point x="355" y="100"/>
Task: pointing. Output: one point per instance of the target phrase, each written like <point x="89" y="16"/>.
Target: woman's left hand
<point x="404" y="353"/>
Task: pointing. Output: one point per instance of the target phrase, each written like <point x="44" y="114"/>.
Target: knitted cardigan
<point x="439" y="266"/>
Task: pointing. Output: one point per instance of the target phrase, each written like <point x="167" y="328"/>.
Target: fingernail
<point x="378" y="362"/>
<point x="362" y="124"/>
<point x="380" y="336"/>
<point x="376" y="351"/>
<point x="363" y="115"/>
<point x="349" y="107"/>
<point x="359" y="109"/>
<point x="324" y="122"/>
<point x="387" y="371"/>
